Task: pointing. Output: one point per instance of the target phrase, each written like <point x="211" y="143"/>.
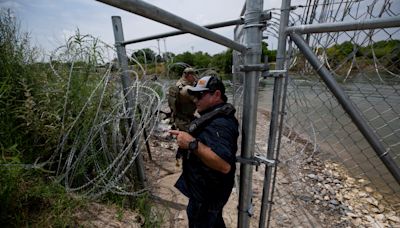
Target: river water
<point x="313" y="112"/>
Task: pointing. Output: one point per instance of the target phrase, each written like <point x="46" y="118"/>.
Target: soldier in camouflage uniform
<point x="180" y="102"/>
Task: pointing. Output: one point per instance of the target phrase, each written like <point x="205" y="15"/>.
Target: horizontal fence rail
<point x="152" y="12"/>
<point x="175" y="33"/>
<point x="378" y="23"/>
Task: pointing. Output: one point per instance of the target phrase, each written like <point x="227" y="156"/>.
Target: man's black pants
<point x="202" y="216"/>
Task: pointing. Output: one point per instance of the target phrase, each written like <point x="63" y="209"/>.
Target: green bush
<point x="29" y="200"/>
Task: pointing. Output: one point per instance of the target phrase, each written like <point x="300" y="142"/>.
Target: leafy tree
<point x="145" y="55"/>
<point x="167" y="56"/>
<point x="265" y="52"/>
<point x="341" y="51"/>
<point x="201" y="60"/>
<point x="185" y="57"/>
<point x="223" y="61"/>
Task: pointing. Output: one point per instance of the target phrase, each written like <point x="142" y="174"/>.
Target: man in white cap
<point x="209" y="147"/>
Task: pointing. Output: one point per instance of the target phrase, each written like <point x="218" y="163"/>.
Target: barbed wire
<point x="100" y="137"/>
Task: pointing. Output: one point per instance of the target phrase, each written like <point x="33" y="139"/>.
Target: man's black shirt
<point x="198" y="181"/>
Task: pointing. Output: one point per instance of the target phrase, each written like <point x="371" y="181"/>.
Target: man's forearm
<point x="211" y="159"/>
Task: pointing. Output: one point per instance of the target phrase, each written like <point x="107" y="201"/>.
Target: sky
<point x="51" y="22"/>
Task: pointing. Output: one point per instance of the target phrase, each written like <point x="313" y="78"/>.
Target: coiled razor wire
<point x="99" y="142"/>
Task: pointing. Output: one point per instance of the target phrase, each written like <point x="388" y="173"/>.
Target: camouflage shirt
<point x="181" y="104"/>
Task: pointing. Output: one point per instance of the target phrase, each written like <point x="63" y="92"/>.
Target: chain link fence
<point x="328" y="174"/>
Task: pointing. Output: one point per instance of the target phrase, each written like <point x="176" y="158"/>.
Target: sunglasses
<point x="200" y="95"/>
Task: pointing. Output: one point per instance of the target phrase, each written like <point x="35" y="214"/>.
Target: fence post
<point x="276" y="103"/>
<point x="127" y="89"/>
<point x="253" y="36"/>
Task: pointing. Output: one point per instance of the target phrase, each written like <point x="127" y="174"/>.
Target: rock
<point x="372" y="201"/>
<point x="344" y="207"/>
<point x="350" y="180"/>
<point x="339" y="197"/>
<point x="377" y="196"/>
<point x="391" y="213"/>
<point x="347" y="196"/>
<point x="328" y="187"/>
<point x="375" y="210"/>
<point x="318" y="197"/>
<point x="380" y="217"/>
<point x="378" y="224"/>
<point x="370" y="219"/>
<point x="333" y="207"/>
<point x="363" y="182"/>
<point x="381" y="208"/>
<point x="362" y="194"/>
<point x="334" y="202"/>
<point x="357" y="222"/>
<point x="352" y="215"/>
<point x="284" y="181"/>
<point x="326" y="198"/>
<point x="393" y="218"/>
<point x="369" y="189"/>
<point x="312" y="176"/>
<point x="305" y="198"/>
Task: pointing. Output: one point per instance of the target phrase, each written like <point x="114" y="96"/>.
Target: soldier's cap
<point x="189" y="70"/>
<point x="207" y="83"/>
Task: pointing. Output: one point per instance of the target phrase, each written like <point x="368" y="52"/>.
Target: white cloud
<point x="9" y="4"/>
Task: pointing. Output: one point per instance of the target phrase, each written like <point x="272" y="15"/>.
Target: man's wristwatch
<point x="193" y="145"/>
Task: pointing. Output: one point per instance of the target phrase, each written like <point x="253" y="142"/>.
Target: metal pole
<point x="126" y="84"/>
<point x="157" y="14"/>
<point x="253" y="56"/>
<point x="276" y="98"/>
<point x="282" y="117"/>
<point x="348" y="106"/>
<point x="376" y="23"/>
<point x="175" y="33"/>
